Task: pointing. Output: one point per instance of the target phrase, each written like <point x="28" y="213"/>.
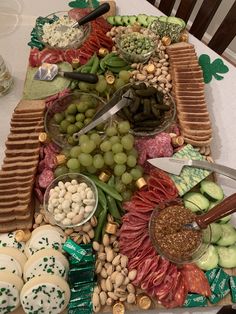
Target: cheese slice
<point x="44" y="237"/>
<point x="46" y="262"/>
<point x="12" y="260"/>
<point x="10" y="287"/>
<point x="45" y="294"/>
<point x="8" y="240"/>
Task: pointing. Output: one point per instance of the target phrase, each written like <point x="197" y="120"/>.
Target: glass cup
<point x="6" y="79"/>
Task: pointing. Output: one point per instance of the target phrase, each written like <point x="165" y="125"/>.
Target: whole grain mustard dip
<point x="175" y="241"/>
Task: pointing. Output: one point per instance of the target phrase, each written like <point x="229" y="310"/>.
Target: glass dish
<point x="195" y="255"/>
<point x="132" y="57"/>
<point x="61" y="104"/>
<point x="86" y="29"/>
<point x="167" y="119"/>
<point x="68" y="178"/>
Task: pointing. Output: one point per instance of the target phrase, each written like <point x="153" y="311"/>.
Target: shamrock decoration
<point x="211" y="69"/>
<point x="82" y="4"/>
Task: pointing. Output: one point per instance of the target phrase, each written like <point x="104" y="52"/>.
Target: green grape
<point x="114" y="139"/>
<point x="126" y="195"/>
<point x="63" y="125"/>
<point x="80" y="117"/>
<point x="119" y="170"/>
<point x="120" y="187"/>
<point x="131" y="161"/>
<point x="58" y="117"/>
<point x="123" y="127"/>
<point x="71" y="129"/>
<point x="83" y="138"/>
<point x="72" y="109"/>
<point x="75" y="151"/>
<point x="60" y="170"/>
<point x="98" y="161"/>
<point x="105" y="146"/>
<point x="87" y="121"/>
<point x="117" y="148"/>
<point x="79" y="125"/>
<point x="91" y="169"/>
<point x="127" y="141"/>
<point x="96" y="138"/>
<point x="82" y="106"/>
<point x="100" y="127"/>
<point x="73" y="163"/>
<point x="70" y="118"/>
<point x="111" y="131"/>
<point x="132" y="152"/>
<point x="136" y="173"/>
<point x="126" y="178"/>
<point x="83" y="86"/>
<point x="88" y="147"/>
<point x="89" y="113"/>
<point x="119" y="83"/>
<point x="71" y="140"/>
<point x="120" y="158"/>
<point x="101" y="86"/>
<point x="124" y="75"/>
<point x="108" y="158"/>
<point x="85" y="159"/>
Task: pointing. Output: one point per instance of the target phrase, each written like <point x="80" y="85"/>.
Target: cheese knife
<point x="175" y="165"/>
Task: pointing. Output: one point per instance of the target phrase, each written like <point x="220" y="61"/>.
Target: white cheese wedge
<point x="8" y="240"/>
<point x="44" y="237"/>
<point x="45" y="294"/>
<point x="12" y="260"/>
<point x="46" y="262"/>
<point x="10" y="288"/>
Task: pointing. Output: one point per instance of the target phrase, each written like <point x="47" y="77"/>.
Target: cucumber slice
<point x="213" y="204"/>
<point x="151" y="18"/>
<point x="142" y="20"/>
<point x="209" y="260"/>
<point x="118" y="20"/>
<point x="132" y="19"/>
<point x="125" y="20"/>
<point x="228" y="236"/>
<point x="216" y="232"/>
<point x="224" y="220"/>
<point x="212" y="191"/>
<point x="111" y="20"/>
<point x="176" y="20"/>
<point x="196" y="202"/>
<point x="162" y="19"/>
<point x="227" y="256"/>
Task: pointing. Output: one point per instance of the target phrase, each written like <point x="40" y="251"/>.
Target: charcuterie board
<point x="94" y="226"/>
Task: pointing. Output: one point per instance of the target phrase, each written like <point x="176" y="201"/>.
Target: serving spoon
<point x="225" y="208"/>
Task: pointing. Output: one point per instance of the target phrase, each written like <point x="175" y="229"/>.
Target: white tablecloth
<point x="220" y="95"/>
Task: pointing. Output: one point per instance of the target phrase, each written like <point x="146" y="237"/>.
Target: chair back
<point x="225" y="32"/>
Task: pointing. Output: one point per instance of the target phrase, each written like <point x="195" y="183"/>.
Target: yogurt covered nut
<point x="71" y="202"/>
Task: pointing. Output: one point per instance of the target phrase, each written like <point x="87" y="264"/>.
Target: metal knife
<point x="175" y="165"/>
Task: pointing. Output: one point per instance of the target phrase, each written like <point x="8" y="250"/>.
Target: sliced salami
<point x="45" y="178"/>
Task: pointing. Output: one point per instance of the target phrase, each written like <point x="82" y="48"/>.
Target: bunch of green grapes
<point x="102" y="88"/>
<point x="113" y="151"/>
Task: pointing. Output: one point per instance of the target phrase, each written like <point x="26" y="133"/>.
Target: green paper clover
<point x="83" y="4"/>
<point x="211" y="69"/>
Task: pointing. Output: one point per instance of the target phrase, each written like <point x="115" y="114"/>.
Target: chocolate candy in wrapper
<point x="79" y="302"/>
<point x="195" y="300"/>
<point x="78" y="275"/>
<point x="214" y="298"/>
<point x="211" y="274"/>
<point x="74" y="249"/>
<point x="220" y="285"/>
<point x="85" y="289"/>
<point x="232" y="283"/>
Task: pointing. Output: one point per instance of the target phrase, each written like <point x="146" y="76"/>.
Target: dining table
<point x="17" y="18"/>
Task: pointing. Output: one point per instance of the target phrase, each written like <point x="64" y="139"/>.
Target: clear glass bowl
<point x="52" y="128"/>
<point x="86" y="30"/>
<point x="167" y="119"/>
<point x="131" y="57"/>
<point x="68" y="178"/>
<point x="195" y="255"/>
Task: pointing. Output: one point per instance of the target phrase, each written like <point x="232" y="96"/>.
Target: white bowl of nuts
<point x="70" y="200"/>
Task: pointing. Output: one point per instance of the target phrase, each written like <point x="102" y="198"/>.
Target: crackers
<point x="188" y="92"/>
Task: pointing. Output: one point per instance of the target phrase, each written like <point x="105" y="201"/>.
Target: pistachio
<point x="112" y="295"/>
<point x="126" y="281"/>
<point x="94" y="221"/>
<point x="113" y="276"/>
<point x="109" y="285"/>
<point x="68" y="231"/>
<point x="97" y="289"/>
<point x="86" y="239"/>
<point x="39" y="219"/>
<point x="118" y="268"/>
<point x="119" y="292"/>
<point x="141" y="77"/>
<point x="96" y="309"/>
<point x="110" y="270"/>
<point x="130" y="288"/>
<point x="132" y="274"/>
<point x="124" y="271"/>
<point x="112" y="239"/>
<point x="96" y="246"/>
<point x="101" y="248"/>
<point x="119" y="280"/>
<point x="109" y="301"/>
<point x="103" y="297"/>
<point x="131" y="298"/>
<point x="109" y="255"/>
<point x="103" y="273"/>
<point x="91" y="234"/>
<point x="86" y="227"/>
<point x="102" y="256"/>
<point x="106" y="240"/>
<point x="116" y="260"/>
<point x="95" y="299"/>
<point x="103" y="285"/>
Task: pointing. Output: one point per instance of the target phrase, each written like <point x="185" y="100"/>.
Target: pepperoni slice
<point x="195" y="280"/>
